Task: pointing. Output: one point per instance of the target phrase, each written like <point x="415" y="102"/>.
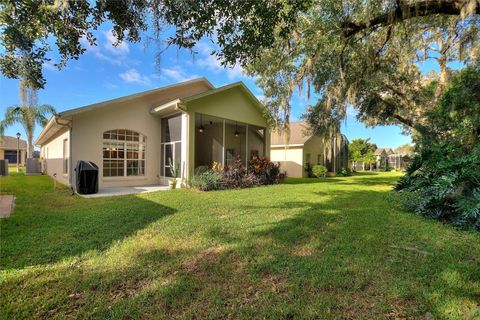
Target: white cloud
<point x="106" y="51"/>
<point x="211" y="62"/>
<point x="133" y="76"/>
<point x="50" y="66"/>
<point x="176" y="74"/>
<point x="351" y="111"/>
<point x="121" y="49"/>
<point x="97" y="52"/>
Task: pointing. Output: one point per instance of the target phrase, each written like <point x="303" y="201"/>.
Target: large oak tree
<point x="359" y="53"/>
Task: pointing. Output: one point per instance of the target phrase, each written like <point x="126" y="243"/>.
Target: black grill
<point x="87" y="177"/>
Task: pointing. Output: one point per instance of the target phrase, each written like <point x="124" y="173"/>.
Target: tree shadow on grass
<point x="357" y="245"/>
<point x="72" y="226"/>
<point x="367" y="179"/>
<point x="330" y="258"/>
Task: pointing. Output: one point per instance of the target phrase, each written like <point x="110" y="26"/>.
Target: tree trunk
<point x="443" y="77"/>
<point x="30" y="145"/>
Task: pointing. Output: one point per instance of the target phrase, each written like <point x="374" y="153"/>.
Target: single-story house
<point x="388" y="158"/>
<point x="8" y="150"/>
<point x="133" y="139"/>
<point x="303" y="148"/>
<point x="382" y="155"/>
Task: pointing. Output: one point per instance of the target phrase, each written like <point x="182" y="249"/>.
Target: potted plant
<point x="174" y="168"/>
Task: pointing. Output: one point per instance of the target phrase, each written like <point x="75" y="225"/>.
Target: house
<point x="8" y="150"/>
<point x="382" y="155"/>
<point x="387" y="159"/>
<point x="133" y="139"/>
<point x="304" y="148"/>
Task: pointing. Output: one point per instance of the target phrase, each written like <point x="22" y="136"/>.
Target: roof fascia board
<point x="72" y="112"/>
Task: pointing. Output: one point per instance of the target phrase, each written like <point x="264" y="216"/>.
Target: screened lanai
<point x="224" y="141"/>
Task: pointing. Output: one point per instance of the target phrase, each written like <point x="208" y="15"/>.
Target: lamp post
<point x="18" y="151"/>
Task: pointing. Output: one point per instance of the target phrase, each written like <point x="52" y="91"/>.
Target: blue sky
<point x="106" y="72"/>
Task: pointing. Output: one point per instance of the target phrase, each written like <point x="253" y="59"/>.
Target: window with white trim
<point x="123" y="153"/>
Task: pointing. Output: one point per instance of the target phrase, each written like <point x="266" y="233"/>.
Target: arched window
<point x="123" y="153"/>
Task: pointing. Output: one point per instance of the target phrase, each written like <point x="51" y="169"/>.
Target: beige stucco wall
<point x="52" y="154"/>
<point x="88" y="128"/>
<point x="290" y="158"/>
<point x="231" y="104"/>
<point x="314" y="147"/>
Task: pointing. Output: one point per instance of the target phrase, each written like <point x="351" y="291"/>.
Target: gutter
<point x="53" y="121"/>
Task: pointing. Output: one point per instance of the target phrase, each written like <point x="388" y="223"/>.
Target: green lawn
<point x="336" y="248"/>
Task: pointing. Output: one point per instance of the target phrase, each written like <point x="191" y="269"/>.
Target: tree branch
<point x="404" y="121"/>
<point x="406" y="10"/>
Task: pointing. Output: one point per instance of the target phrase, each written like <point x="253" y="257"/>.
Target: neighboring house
<point x="387" y="158"/>
<point x="8" y="150"/>
<point x="132" y="139"/>
<point x="382" y="155"/>
<point x="302" y="148"/>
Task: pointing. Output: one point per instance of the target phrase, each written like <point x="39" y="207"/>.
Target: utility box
<point x="4" y="167"/>
<point x="87" y="177"/>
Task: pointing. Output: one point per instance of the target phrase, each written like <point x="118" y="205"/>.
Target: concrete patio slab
<point x="6" y="205"/>
<point x="121" y="191"/>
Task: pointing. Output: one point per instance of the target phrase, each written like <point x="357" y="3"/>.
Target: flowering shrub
<point x="236" y="176"/>
<point x="265" y="170"/>
<point x="344" y="172"/>
<point x="261" y="171"/>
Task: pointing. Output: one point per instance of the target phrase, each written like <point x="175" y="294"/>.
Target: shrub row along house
<point x="134" y="139"/>
<point x="302" y="150"/>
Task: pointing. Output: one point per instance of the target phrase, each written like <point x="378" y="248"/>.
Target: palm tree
<point x="28" y="114"/>
<point x="369" y="158"/>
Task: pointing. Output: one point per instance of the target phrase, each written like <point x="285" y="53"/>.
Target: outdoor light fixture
<point x="236" y="134"/>
<point x="201" y="129"/>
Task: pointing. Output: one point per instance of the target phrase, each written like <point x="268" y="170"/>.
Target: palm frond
<point x="12" y="115"/>
<point x="43" y="112"/>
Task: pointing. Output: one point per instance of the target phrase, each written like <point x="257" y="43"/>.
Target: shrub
<point x="201" y="169"/>
<point x="265" y="170"/>
<point x="261" y="172"/>
<point x="319" y="171"/>
<point x="207" y="180"/>
<point x="446" y="182"/>
<point x="236" y="176"/>
<point x="344" y="172"/>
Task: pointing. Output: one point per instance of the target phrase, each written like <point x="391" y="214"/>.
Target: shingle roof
<point x="388" y="151"/>
<point x="298" y="135"/>
<point x="10" y="143"/>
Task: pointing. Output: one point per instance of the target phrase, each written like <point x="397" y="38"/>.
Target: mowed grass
<point x="332" y="249"/>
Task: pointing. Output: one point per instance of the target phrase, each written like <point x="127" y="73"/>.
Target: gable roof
<point x="10" y="143"/>
<point x="182" y="103"/>
<point x="298" y="135"/>
<point x="72" y="112"/>
<point x="388" y="151"/>
<point x="61" y="120"/>
<point x="238" y="84"/>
